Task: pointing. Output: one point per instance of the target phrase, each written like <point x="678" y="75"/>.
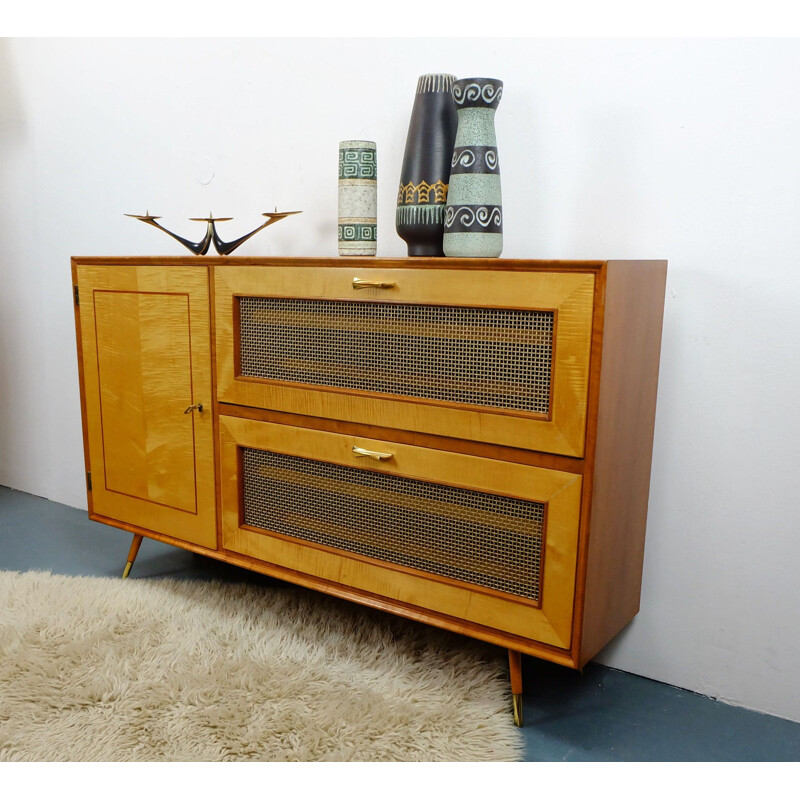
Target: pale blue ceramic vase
<point x="473" y="224"/>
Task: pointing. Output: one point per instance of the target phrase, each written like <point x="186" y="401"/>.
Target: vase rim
<point x="469" y="80"/>
<point x="435" y="82"/>
<point x="357" y="143"/>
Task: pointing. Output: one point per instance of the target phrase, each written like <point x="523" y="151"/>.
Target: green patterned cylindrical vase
<point x="358" y="198"/>
<point x="473" y="223"/>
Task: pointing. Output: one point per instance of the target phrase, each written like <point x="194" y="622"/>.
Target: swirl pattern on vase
<point x="476" y="159"/>
<point x="477" y="92"/>
<point x="473" y="226"/>
<point x="467" y="219"/>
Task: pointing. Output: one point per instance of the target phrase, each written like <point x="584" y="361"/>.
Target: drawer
<point x="485" y="355"/>
<point x="493" y="543"/>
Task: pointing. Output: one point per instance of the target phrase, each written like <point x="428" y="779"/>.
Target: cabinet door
<point x="493" y="356"/>
<point x="489" y="542"/>
<point x="146" y="353"/>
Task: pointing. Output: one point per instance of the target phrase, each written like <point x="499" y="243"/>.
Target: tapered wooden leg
<point x="515" y="668"/>
<point x="132" y="553"/>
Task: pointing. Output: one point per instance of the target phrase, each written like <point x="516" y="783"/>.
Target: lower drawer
<point x="489" y="542"/>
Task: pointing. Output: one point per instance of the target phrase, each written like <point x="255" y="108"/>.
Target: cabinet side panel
<point x="81" y="379"/>
<point x="634" y="309"/>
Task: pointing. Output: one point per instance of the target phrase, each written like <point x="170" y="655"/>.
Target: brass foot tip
<point x="127" y="569"/>
<point x="518" y="710"/>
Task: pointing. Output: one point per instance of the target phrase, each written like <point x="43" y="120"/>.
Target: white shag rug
<point x="104" y="669"/>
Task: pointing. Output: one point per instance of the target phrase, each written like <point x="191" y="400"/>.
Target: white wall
<point x="681" y="149"/>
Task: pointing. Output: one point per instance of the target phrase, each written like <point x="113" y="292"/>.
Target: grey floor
<point x="600" y="715"/>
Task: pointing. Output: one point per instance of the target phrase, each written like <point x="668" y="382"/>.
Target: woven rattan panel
<point x="481" y="539"/>
<point x="500" y="358"/>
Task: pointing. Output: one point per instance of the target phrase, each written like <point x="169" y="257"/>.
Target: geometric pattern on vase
<point x="420" y="215"/>
<point x="420" y="193"/>
<point x="357" y="162"/>
<point x="357" y="232"/>
<point x="358" y="198"/>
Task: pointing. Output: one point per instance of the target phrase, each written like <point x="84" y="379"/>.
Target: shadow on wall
<point x="20" y="298"/>
<point x="12" y="119"/>
<point x="12" y="139"/>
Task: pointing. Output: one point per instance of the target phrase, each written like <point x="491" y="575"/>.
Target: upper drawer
<point x="491" y="356"/>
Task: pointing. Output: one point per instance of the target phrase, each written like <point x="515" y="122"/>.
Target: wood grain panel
<point x="349" y="263"/>
<point x="621" y="460"/>
<point x="480" y="449"/>
<point x="146" y="357"/>
<point x="144" y="370"/>
<point x="560" y="491"/>
<point x="567" y="294"/>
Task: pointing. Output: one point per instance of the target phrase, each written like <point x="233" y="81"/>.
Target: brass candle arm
<point x="225" y="248"/>
<point x="198" y="248"/>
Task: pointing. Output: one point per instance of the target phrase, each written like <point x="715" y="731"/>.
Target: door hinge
<point x="88" y="481"/>
<point x="77" y="295"/>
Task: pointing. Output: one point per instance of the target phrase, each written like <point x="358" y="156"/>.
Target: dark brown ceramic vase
<point x="425" y="175"/>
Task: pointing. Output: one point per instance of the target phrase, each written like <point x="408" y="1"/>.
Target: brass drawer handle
<point x="360" y="451"/>
<point x="359" y="283"/>
<point x="198" y="406"/>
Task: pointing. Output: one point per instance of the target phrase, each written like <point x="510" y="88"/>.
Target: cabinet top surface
<point x="351" y="262"/>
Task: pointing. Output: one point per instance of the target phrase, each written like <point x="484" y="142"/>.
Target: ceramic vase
<point x="473" y="226"/>
<point x="358" y="198"/>
<point x="426" y="166"/>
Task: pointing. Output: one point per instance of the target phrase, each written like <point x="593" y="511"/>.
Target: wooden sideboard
<point x="464" y="442"/>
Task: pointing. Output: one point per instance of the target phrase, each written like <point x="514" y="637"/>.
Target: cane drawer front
<point x="493" y="543"/>
<point x="494" y="356"/>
